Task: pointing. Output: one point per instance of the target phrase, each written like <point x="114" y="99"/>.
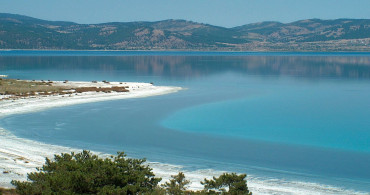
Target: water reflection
<point x="352" y="67"/>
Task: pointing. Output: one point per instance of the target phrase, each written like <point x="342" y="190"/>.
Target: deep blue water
<point x="287" y="115"/>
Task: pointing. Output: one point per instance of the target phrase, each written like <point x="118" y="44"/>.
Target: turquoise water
<point x="297" y="116"/>
<point x="319" y="114"/>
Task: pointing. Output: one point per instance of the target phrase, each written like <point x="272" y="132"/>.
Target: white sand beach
<point x="20" y="156"/>
<point x="37" y="103"/>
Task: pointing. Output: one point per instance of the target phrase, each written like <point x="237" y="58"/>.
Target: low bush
<point x="85" y="173"/>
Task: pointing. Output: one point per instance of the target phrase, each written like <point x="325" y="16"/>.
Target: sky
<point x="226" y="13"/>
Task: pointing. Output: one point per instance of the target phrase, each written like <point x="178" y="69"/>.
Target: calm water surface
<point x="302" y="116"/>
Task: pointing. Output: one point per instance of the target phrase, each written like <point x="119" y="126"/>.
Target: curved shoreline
<point x="37" y="103"/>
<point x="25" y="155"/>
<point x="20" y="156"/>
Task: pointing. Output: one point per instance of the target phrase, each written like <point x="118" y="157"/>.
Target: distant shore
<point x="191" y="50"/>
<point x="20" y="156"/>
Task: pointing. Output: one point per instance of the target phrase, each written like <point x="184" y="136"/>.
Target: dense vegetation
<point x="85" y="173"/>
<point x="21" y="32"/>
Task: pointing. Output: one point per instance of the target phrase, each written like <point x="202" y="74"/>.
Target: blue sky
<point x="228" y="13"/>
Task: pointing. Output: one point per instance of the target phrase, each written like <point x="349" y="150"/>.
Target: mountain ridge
<point x="23" y="32"/>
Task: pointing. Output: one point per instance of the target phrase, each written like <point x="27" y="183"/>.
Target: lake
<point x="288" y="117"/>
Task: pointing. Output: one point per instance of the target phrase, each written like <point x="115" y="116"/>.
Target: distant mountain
<point x="22" y="32"/>
<point x="309" y="30"/>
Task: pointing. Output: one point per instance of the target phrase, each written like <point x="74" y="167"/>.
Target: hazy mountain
<point x="22" y="32"/>
<point x="309" y="30"/>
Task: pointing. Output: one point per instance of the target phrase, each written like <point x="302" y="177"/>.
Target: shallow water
<point x="290" y="116"/>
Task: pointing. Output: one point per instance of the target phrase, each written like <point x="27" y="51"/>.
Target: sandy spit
<point x="20" y="156"/>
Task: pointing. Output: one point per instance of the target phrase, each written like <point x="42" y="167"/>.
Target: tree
<point x="177" y="184"/>
<point x="236" y="184"/>
<point x="84" y="173"/>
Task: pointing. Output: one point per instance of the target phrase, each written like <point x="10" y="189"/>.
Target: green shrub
<point x="236" y="184"/>
<point x="84" y="173"/>
<point x="177" y="185"/>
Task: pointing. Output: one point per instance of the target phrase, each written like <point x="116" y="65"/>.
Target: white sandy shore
<point x="37" y="103"/>
<point x="20" y="156"/>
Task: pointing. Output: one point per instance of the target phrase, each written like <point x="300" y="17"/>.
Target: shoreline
<point x="41" y="102"/>
<point x="20" y="156"/>
<point x="193" y="51"/>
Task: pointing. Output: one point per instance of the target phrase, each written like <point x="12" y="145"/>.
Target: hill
<point x="22" y="32"/>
